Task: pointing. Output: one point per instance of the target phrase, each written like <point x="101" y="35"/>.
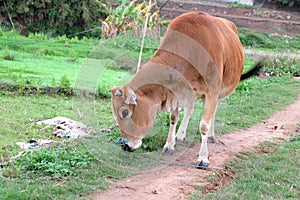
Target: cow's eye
<point x="125" y="113"/>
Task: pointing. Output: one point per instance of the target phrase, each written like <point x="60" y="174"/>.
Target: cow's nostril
<point x="126" y="147"/>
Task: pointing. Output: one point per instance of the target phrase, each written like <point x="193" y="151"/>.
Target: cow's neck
<point x="163" y="83"/>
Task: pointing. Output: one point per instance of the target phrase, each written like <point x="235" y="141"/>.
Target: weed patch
<point x="56" y="161"/>
<point x="282" y="66"/>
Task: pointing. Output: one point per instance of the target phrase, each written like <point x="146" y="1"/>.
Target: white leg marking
<point x="206" y="128"/>
<point x="181" y="133"/>
<point x="170" y="143"/>
<point x="203" y="153"/>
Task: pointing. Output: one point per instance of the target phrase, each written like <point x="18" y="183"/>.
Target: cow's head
<point x="135" y="112"/>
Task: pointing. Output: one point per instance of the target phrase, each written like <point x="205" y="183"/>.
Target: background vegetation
<point x="52" y="17"/>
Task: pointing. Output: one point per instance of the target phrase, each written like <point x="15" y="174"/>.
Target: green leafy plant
<point x="102" y="91"/>
<point x="282" y="66"/>
<point x="65" y="86"/>
<point x="128" y="16"/>
<point x="55" y="161"/>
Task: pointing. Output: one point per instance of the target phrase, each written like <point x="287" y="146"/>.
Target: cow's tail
<point x="252" y="72"/>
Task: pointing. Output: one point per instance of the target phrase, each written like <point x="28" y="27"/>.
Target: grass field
<point x="72" y="169"/>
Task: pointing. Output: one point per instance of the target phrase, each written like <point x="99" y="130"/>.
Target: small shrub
<point x="102" y="91"/>
<point x="64" y="81"/>
<point x="129" y="15"/>
<point x="282" y="66"/>
<point x="65" y="86"/>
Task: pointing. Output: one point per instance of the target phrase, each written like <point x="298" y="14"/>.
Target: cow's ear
<point x="117" y="92"/>
<point x="130" y="96"/>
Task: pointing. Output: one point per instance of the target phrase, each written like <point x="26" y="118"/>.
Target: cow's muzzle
<point x="126" y="147"/>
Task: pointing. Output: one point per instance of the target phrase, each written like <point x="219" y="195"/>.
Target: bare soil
<point x="177" y="182"/>
<point x="266" y="10"/>
<point x="267" y="17"/>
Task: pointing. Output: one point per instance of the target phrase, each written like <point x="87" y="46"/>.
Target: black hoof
<point x="182" y="141"/>
<point x="201" y="165"/>
<point x="170" y="152"/>
<point x="211" y="140"/>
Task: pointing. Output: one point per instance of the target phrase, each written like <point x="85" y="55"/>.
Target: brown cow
<point x="200" y="56"/>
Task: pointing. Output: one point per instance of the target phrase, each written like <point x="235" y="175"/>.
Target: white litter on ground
<point x="66" y="127"/>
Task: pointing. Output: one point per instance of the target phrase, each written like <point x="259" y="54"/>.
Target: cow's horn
<point x="118" y="93"/>
<point x="131" y="98"/>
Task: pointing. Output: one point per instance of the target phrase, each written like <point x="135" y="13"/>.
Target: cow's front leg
<point x="203" y="162"/>
<point x="181" y="133"/>
<point x="170" y="143"/>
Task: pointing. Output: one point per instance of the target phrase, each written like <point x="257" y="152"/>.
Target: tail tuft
<point x="253" y="72"/>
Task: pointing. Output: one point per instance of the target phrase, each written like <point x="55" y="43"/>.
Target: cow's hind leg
<point x="211" y="133"/>
<point x="170" y="143"/>
<point x="210" y="105"/>
<point x="181" y="133"/>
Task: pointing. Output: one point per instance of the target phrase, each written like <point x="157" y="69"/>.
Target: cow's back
<point x="218" y="37"/>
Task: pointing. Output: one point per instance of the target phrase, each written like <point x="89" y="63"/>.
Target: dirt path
<point x="174" y="182"/>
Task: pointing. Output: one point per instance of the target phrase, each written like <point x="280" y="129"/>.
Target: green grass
<point x="39" y="60"/>
<point x="269" y="42"/>
<point x="272" y="176"/>
<point x="254" y="101"/>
